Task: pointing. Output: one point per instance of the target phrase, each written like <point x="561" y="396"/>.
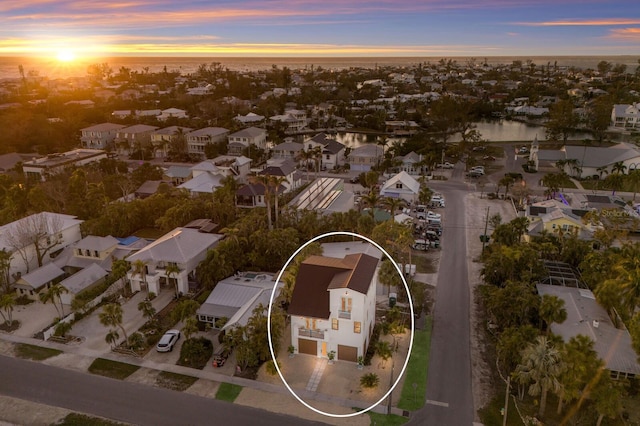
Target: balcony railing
<point x="344" y="314"/>
<point x="307" y="332"/>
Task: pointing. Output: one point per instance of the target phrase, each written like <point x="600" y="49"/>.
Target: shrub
<point x="62" y="328"/>
<point x="270" y="367"/>
<point x="369" y="380"/>
<point x="195" y="352"/>
<point x="371" y="350"/>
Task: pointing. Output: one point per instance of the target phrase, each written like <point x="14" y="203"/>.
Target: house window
<point x="346" y="303"/>
<point x="87" y="253"/>
<point x="357" y="327"/>
<point x="334" y="323"/>
<point x="398" y="185"/>
<point x="328" y="157"/>
<point x="310" y="323"/>
<point x="95" y="253"/>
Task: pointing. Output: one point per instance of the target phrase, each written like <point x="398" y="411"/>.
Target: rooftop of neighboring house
<point x="79" y="281"/>
<point x="235" y="297"/>
<point x="103" y="127"/>
<point x="53" y="160"/>
<point x="249" y="132"/>
<point x="585" y="316"/>
<point x="179" y="245"/>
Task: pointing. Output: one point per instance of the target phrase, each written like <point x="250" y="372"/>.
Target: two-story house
<point x="34" y="238"/>
<point x="402" y="186"/>
<point x="170" y="262"/>
<point x="332" y="151"/>
<point x="162" y="139"/>
<point x="247" y="138"/>
<point x="333" y="306"/>
<point x="626" y="116"/>
<point x="100" y="136"/>
<point x="365" y="157"/>
<point x="133" y="137"/>
<point x="285" y="169"/>
<point x="287" y="150"/>
<point x="198" y="139"/>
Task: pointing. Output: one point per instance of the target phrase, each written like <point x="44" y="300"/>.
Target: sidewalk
<point x="259" y="394"/>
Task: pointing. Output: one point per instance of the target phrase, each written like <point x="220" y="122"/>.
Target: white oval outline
<point x="273" y="291"/>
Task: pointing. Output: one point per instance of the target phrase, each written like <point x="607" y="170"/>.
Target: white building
<point x="333" y="305"/>
<point x="52" y="164"/>
<point x="402" y="186"/>
<point x="49" y="231"/>
<point x="249" y="137"/>
<point x="183" y="248"/>
<point x="626" y="116"/>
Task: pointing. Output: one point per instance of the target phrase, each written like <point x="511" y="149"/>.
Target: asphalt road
<point x="449" y="399"/>
<point x="123" y="401"/>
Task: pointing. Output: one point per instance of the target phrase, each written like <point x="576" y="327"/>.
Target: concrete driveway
<point x="34" y="317"/>
<point x="93" y="332"/>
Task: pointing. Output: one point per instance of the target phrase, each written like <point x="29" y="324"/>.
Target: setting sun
<point x="66" y="56"/>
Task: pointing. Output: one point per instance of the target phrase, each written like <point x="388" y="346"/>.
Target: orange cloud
<point x="627" y="34"/>
<point x="582" y="22"/>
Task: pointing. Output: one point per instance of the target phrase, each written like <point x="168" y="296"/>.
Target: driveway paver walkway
<point x="316" y="376"/>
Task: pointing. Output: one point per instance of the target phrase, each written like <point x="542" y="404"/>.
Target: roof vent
<point x="596" y="323"/>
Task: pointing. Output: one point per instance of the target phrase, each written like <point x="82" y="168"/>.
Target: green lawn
<point x="228" y="392"/>
<point x="386" y="419"/>
<point x="36" y="353"/>
<point x="412" y="399"/>
<point x="113" y="369"/>
<point x="175" y="381"/>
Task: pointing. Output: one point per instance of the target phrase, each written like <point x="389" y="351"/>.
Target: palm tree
<point x="305" y="156"/>
<point x="265" y="181"/>
<point x="54" y="295"/>
<point x="172" y="270"/>
<point x="140" y="268"/>
<point x="119" y="269"/>
<point x="618" y="167"/>
<point x="277" y="181"/>
<point x="393" y="204"/>
<point x="112" y="338"/>
<point x="371" y="200"/>
<point x="7" y="303"/>
<point x="111" y="316"/>
<point x="634" y="180"/>
<point x="541" y="364"/>
<point x="552" y="310"/>
<point x="147" y="309"/>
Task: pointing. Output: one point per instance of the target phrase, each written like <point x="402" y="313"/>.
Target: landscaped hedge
<point x="371" y="350"/>
<point x="196" y="352"/>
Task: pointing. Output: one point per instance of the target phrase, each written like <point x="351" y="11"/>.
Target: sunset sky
<point x="71" y="28"/>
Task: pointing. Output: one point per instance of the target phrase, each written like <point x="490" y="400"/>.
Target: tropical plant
<point x="62" y="328"/>
<point x="140" y="268"/>
<point x="540" y="368"/>
<point x="172" y="270"/>
<point x="184" y="309"/>
<point x="119" y="269"/>
<point x="147" y="309"/>
<point x="7" y="303"/>
<point x="265" y="181"/>
<point x="393" y="204"/>
<point x="136" y="341"/>
<point x="190" y="327"/>
<point x="369" y="380"/>
<point x="112" y="338"/>
<point x="54" y="295"/>
<point x="551" y="310"/>
<point x="111" y="316"/>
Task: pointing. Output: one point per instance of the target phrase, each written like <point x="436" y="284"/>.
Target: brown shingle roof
<point x="318" y="274"/>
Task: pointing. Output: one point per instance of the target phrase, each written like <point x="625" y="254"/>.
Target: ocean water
<point x="52" y="68"/>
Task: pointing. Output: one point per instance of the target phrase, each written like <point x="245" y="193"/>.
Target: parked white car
<point x="168" y="341"/>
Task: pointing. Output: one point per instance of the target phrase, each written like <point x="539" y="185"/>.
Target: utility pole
<point x="506" y="402"/>
<point x="486" y="225"/>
